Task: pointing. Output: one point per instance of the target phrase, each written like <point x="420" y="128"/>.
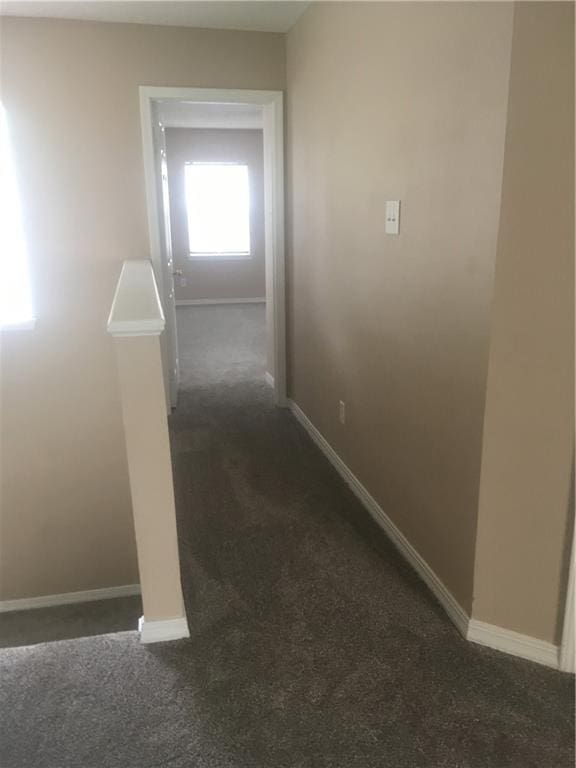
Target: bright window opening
<point x="218" y="210"/>
<point x="15" y="294"/>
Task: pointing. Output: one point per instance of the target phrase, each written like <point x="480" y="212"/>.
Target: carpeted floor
<point x="313" y="644"/>
<point x="221" y="344"/>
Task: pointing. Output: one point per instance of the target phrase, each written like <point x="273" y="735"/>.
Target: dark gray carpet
<point x="65" y="622"/>
<point x="313" y="644"/>
<point x="221" y="344"/>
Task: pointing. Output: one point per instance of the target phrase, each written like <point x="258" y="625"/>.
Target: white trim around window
<point x="25" y="325"/>
<point x="219" y="256"/>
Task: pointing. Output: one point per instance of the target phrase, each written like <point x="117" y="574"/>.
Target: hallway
<point x="312" y="643"/>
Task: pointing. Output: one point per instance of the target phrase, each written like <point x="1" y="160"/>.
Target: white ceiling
<point x="182" y="114"/>
<point x="261" y="16"/>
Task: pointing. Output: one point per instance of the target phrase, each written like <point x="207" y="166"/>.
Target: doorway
<point x="217" y="110"/>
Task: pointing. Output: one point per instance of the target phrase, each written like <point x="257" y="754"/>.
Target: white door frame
<point x="273" y="130"/>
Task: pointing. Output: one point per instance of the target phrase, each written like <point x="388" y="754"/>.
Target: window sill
<point x="219" y="256"/>
<point x="25" y="325"/>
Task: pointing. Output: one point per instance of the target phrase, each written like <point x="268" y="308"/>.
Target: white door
<point x="168" y="270"/>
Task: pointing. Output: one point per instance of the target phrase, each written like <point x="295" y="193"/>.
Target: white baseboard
<point x="161" y="631"/>
<point x="454" y="610"/>
<point x="209" y="302"/>
<point x="68" y="598"/>
<point x="473" y="630"/>
<point x="513" y="643"/>
<point x="269" y="379"/>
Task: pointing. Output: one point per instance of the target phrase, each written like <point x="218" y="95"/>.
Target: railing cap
<point x="136" y="307"/>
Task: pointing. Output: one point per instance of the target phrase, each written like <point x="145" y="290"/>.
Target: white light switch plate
<point x="392" y="217"/>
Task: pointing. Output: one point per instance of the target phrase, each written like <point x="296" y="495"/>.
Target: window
<point x="15" y="295"/>
<point x="218" y="210"/>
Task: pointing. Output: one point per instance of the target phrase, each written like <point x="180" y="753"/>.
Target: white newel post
<point x="136" y="322"/>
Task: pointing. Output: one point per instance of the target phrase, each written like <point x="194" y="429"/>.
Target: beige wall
<point x="217" y="278"/>
<point x="71" y="91"/>
<point x="529" y="423"/>
<point x="399" y="101"/>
